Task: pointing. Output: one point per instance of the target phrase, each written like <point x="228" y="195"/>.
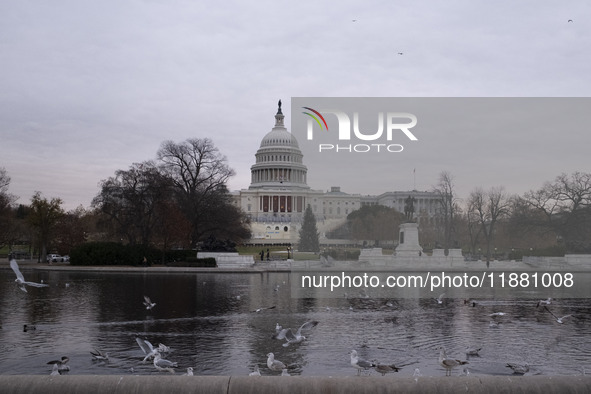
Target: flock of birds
<point x="290" y="337"/>
<point x="402" y="53"/>
<point x="364" y="366"/>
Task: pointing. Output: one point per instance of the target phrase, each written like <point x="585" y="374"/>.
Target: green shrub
<point x="111" y="253"/>
<point x="194" y="262"/>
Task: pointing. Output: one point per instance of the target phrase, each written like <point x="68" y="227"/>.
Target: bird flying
<point x="439" y="299"/>
<point x="99" y="355"/>
<point x="146" y="347"/>
<point x="559" y="320"/>
<point x="148" y="303"/>
<point x="296" y="337"/>
<point x="20" y="279"/>
<point x="263" y="308"/>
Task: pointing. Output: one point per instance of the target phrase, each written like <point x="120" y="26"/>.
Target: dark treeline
<point x="490" y="223"/>
<point x="175" y="201"/>
<point x="180" y="199"/>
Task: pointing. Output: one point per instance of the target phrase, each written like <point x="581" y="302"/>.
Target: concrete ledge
<point x="228" y="260"/>
<point x="114" y="384"/>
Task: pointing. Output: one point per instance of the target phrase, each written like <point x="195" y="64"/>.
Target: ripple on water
<point x="208" y="327"/>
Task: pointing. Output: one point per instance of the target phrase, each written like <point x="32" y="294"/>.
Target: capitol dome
<point x="279" y="136"/>
<point x="279" y="159"/>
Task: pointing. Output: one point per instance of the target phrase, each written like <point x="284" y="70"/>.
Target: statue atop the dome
<point x="279" y="116"/>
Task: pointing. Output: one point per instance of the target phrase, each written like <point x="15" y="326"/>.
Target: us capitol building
<point x="278" y="194"/>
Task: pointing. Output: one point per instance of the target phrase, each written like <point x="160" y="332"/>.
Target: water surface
<point x="207" y="321"/>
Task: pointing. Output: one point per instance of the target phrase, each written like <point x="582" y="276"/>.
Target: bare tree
<point x="199" y="174"/>
<point x="4" y="181"/>
<point x="72" y="230"/>
<point x="6" y="214"/>
<point x="129" y="202"/>
<point x="448" y="207"/>
<point x="473" y="227"/>
<point x="44" y="216"/>
<point x="564" y="207"/>
<point x="487" y="207"/>
<point x="375" y="222"/>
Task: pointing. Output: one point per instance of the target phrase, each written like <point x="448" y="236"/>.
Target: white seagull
<point x="495" y="314"/>
<point x="189" y="372"/>
<point x="99" y="355"/>
<point x="290" y="337"/>
<point x="148" y="303"/>
<point x="360" y="363"/>
<point x="162" y="364"/>
<point x="519" y="369"/>
<point x="473" y="351"/>
<point x="61" y="364"/>
<point x="263" y="308"/>
<point x="256" y="371"/>
<point x="559" y="320"/>
<point x="274" y="365"/>
<point x="417" y="374"/>
<point x="20" y="279"/>
<point x="439" y="299"/>
<point x="146" y="347"/>
<point x="448" y="363"/>
<point x="547" y="301"/>
<point x="55" y="371"/>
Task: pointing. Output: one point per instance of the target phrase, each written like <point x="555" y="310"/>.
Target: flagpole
<point x="414" y="174"/>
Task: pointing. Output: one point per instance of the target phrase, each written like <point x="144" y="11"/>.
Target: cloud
<point x="91" y="87"/>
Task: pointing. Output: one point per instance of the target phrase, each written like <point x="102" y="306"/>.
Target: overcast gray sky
<point x="90" y="87"/>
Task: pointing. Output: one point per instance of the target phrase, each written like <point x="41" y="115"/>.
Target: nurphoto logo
<point x="389" y="127"/>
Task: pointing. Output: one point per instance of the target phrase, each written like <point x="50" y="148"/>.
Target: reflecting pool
<point x="208" y="322"/>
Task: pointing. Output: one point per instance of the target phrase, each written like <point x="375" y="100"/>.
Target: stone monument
<point x="408" y="237"/>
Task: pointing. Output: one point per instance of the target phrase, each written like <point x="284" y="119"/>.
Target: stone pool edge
<point x="291" y="384"/>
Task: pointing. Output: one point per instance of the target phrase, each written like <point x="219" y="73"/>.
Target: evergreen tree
<point x="309" y="233"/>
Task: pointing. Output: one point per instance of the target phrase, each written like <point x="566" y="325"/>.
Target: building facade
<point x="278" y="194"/>
<point x="426" y="204"/>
